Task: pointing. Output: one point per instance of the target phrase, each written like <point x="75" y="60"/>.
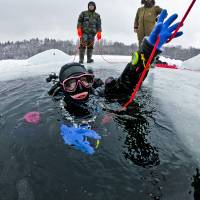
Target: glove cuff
<point x="147" y="48"/>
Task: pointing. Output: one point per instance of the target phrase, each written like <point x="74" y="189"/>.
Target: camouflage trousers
<point x="87" y="41"/>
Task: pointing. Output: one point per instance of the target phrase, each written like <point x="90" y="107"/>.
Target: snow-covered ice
<point x="192" y="63"/>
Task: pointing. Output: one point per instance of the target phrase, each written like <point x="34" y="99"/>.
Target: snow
<point x="49" y="57"/>
<point x="43" y="63"/>
<point x="178" y="63"/>
<point x="177" y="91"/>
<point x="192" y="63"/>
<point x="50" y="61"/>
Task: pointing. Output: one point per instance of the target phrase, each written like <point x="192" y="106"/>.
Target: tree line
<point x="27" y="48"/>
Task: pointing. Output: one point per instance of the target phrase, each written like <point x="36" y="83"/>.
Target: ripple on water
<point x="139" y="155"/>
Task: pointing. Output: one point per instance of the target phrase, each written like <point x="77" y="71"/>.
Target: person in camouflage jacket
<point x="145" y="19"/>
<point x="89" y="25"/>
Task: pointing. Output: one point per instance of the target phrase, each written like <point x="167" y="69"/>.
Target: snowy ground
<point x="178" y="91"/>
<point x="52" y="60"/>
<point x="192" y="63"/>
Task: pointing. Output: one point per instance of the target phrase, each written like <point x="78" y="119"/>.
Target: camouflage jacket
<point x="90" y="22"/>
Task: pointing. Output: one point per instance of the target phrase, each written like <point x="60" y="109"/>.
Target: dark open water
<point x="140" y="156"/>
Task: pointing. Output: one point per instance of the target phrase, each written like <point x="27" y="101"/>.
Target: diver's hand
<point x="77" y="138"/>
<point x="164" y="29"/>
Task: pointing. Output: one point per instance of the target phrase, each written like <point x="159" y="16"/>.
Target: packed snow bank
<point x="49" y="56"/>
<point x="192" y="63"/>
<point x="11" y="69"/>
<point x="51" y="61"/>
<point x="177" y="92"/>
<point x="42" y="63"/>
<point x="178" y="63"/>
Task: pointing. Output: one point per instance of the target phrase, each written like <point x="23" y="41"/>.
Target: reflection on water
<point x="137" y="123"/>
<point x="196" y="185"/>
<point x="137" y="147"/>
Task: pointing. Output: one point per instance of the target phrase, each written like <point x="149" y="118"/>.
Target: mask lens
<point x="70" y="85"/>
<point x="87" y="80"/>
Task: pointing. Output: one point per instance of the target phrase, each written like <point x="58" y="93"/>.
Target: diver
<point x="81" y="91"/>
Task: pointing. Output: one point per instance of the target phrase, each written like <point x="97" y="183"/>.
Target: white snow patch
<point x="192" y="63"/>
<point x="178" y="63"/>
<point x="43" y="63"/>
<point x="179" y="94"/>
<point x="51" y="61"/>
<point x="49" y="57"/>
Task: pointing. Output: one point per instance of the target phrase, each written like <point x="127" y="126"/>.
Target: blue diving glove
<point x="164" y="29"/>
<point x="77" y="137"/>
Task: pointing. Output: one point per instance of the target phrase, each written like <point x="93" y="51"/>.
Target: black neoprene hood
<point x="70" y="69"/>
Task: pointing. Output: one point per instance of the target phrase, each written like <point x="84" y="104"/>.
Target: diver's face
<point x="78" y="86"/>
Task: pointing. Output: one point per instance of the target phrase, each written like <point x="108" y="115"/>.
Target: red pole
<point x="183" y="19"/>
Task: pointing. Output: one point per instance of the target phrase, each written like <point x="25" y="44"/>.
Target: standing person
<point x="145" y="19"/>
<point x="89" y="25"/>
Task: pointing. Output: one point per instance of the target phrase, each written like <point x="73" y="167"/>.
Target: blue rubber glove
<point x="163" y="29"/>
<point x="76" y="137"/>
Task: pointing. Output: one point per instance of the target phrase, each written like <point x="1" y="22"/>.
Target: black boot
<point x="89" y="56"/>
<point x="81" y="55"/>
